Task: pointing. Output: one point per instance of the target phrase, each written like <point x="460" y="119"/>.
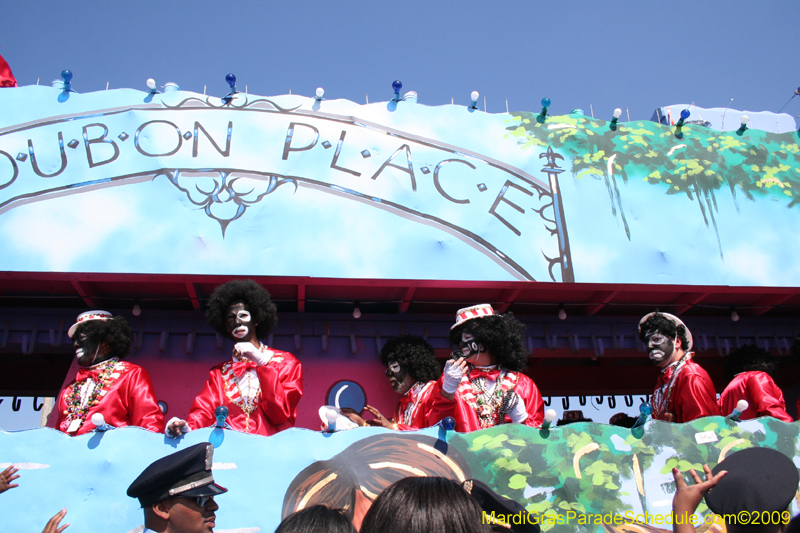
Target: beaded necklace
<point x="247" y="400"/>
<point x="76" y="408"/>
<point x="491" y="407"/>
<point x="662" y="396"/>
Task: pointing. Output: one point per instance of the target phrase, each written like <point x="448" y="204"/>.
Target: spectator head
<point x="423" y="504"/>
<point x="316" y="519"/>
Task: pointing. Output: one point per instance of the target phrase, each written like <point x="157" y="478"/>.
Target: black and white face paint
<point x="85" y="350"/>
<point x="238" y="321"/>
<point x="660" y="347"/>
<point x="79" y="344"/>
<point x="399" y="378"/>
<point x="468" y="346"/>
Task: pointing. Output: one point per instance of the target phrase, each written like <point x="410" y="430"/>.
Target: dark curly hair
<point x="666" y="327"/>
<point x="249" y="293"/>
<point x="115" y="332"/>
<point x="425" y="504"/>
<point x="747" y="358"/>
<point x="316" y="519"/>
<point x="503" y="336"/>
<point x="414" y="354"/>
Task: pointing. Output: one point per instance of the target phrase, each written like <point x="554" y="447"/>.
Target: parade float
<point x="367" y="221"/>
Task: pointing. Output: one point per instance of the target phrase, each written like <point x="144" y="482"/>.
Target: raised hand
<point x="52" y="525"/>
<point x="380" y="420"/>
<point x="246" y="349"/>
<point x="7" y="476"/>
<point x="688" y="497"/>
<point x="453" y="373"/>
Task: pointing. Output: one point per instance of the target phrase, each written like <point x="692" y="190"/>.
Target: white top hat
<point x="476" y="311"/>
<point x="85" y="317"/>
<point x="675" y="320"/>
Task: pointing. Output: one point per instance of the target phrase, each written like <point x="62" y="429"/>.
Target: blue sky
<point x="639" y="55"/>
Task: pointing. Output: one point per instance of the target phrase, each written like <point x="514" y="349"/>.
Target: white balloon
<point x="98" y="419"/>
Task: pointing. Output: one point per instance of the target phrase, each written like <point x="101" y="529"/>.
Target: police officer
<point x="177" y="492"/>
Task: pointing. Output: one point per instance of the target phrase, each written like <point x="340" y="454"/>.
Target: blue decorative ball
<point x="221" y="411"/>
<point x="545" y="102"/>
<point x="685" y="114"/>
<point x="397" y="85"/>
<point x="448" y="423"/>
<point x="66" y="75"/>
<point x="231" y="79"/>
<point x="646" y="408"/>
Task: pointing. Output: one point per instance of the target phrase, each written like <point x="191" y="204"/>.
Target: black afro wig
<point x="115" y="332"/>
<point x="247" y="292"/>
<point x="414" y="354"/>
<point x="747" y="358"/>
<point x="503" y="336"/>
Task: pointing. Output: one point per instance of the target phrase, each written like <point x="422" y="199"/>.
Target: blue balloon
<point x="66" y="75"/>
<point x="221" y="411"/>
<point x="231" y="79"/>
<point x="397" y="85"/>
<point x="685" y="114"/>
<point x="545" y="102"/>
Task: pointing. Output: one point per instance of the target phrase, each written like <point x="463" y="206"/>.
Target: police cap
<point x="186" y="473"/>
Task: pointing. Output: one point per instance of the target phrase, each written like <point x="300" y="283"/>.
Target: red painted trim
<point x="408" y="296"/>
<point x="193" y="295"/>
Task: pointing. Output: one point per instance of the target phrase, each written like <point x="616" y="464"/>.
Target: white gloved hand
<point x="452" y="377"/>
<point x="246" y="349"/>
<point x="518" y="414"/>
<point x="175" y="431"/>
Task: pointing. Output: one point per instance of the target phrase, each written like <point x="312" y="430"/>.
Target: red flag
<point x="7" y="79"/>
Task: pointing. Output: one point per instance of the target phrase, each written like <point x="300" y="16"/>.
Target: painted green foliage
<point x="681" y="440"/>
<point x="539" y="468"/>
<point x="694" y="161"/>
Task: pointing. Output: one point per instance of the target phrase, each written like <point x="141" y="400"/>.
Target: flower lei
<point x="112" y="369"/>
<point x="490" y="407"/>
<point x="663" y="395"/>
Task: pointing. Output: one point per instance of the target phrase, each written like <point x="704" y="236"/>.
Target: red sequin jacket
<point x="128" y="400"/>
<point x="281" y="382"/>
